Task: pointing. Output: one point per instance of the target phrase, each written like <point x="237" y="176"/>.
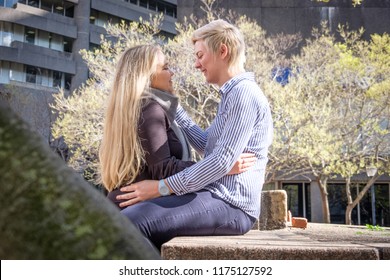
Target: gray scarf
<point x="169" y="103"/>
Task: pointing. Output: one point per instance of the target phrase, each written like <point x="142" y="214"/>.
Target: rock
<point x="273" y="213"/>
<point x="50" y="212"/>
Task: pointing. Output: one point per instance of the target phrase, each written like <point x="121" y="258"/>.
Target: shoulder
<point x="152" y="114"/>
<point x="247" y="91"/>
<point x="151" y="108"/>
<point x="247" y="96"/>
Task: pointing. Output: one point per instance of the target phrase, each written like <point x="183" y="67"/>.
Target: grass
<point x="371" y="227"/>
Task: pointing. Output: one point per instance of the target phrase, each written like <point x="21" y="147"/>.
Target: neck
<point x="230" y="73"/>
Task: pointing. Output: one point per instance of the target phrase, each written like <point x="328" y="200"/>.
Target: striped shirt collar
<point x="226" y="87"/>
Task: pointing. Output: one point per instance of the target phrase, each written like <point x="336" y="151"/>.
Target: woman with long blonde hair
<point x="141" y="140"/>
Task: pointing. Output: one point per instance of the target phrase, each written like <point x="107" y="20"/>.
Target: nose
<point x="171" y="72"/>
<point x="197" y="64"/>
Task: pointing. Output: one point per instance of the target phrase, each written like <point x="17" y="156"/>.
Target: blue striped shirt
<point x="243" y="124"/>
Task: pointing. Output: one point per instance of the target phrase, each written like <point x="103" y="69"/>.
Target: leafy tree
<point x="331" y="118"/>
<point x="364" y="67"/>
<point x="304" y="143"/>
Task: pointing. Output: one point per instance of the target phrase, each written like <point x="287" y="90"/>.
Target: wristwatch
<point x="163" y="189"/>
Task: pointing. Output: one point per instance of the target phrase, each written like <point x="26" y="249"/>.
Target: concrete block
<point x="273" y="210"/>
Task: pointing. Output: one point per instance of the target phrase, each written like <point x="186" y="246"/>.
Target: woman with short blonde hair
<point x="220" y="32"/>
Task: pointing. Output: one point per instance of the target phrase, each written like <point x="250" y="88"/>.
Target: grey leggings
<point x="198" y="213"/>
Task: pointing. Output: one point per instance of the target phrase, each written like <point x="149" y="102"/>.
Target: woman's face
<point x="206" y="62"/>
<point x="162" y="79"/>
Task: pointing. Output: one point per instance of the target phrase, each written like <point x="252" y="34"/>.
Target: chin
<point x="210" y="81"/>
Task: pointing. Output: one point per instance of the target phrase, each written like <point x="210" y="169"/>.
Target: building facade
<point x="293" y="16"/>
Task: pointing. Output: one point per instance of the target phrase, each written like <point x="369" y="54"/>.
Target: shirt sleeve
<point x="154" y="140"/>
<point x="237" y="118"/>
<point x="196" y="136"/>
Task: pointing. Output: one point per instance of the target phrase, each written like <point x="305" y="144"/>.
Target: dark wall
<point x="293" y="16"/>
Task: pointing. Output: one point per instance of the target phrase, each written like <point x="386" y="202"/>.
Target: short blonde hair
<point x="219" y="32"/>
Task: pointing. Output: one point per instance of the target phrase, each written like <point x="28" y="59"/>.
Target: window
<point x="46" y="5"/>
<point x="29" y="35"/>
<point x="31" y="74"/>
<point x="33" y="3"/>
<point x="93" y="16"/>
<point x="374" y="207"/>
<point x="57" y="79"/>
<point x="46" y="77"/>
<point x="170" y="10"/>
<point x="298" y="199"/>
<point x="143" y="3"/>
<point x="337" y="200"/>
<point x="7" y="3"/>
<point x="68" y="81"/>
<point x="382" y="204"/>
<point x="57" y="6"/>
<point x="93" y="47"/>
<point x="69" y="9"/>
<point x="152" y="5"/>
<point x="67" y="45"/>
<point x="55" y="42"/>
<point x="6" y="36"/>
<point x="160" y="7"/>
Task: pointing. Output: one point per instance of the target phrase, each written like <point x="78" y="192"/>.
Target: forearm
<point x="167" y="167"/>
<point x="196" y="136"/>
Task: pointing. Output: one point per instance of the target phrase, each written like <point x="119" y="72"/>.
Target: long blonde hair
<point x="121" y="155"/>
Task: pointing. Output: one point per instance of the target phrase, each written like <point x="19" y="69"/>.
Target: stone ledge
<point x="318" y="242"/>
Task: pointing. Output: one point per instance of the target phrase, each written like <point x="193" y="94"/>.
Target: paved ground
<point x="316" y="242"/>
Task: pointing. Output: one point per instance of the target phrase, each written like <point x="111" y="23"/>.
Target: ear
<point x="224" y="51"/>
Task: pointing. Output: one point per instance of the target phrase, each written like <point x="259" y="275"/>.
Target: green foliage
<point x="371" y="227"/>
<point x="333" y="114"/>
<point x="332" y="117"/>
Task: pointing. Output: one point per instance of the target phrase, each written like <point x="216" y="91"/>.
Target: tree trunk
<point x="49" y="212"/>
<point x="351" y="206"/>
<point x="322" y="183"/>
<point x="348" y="210"/>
